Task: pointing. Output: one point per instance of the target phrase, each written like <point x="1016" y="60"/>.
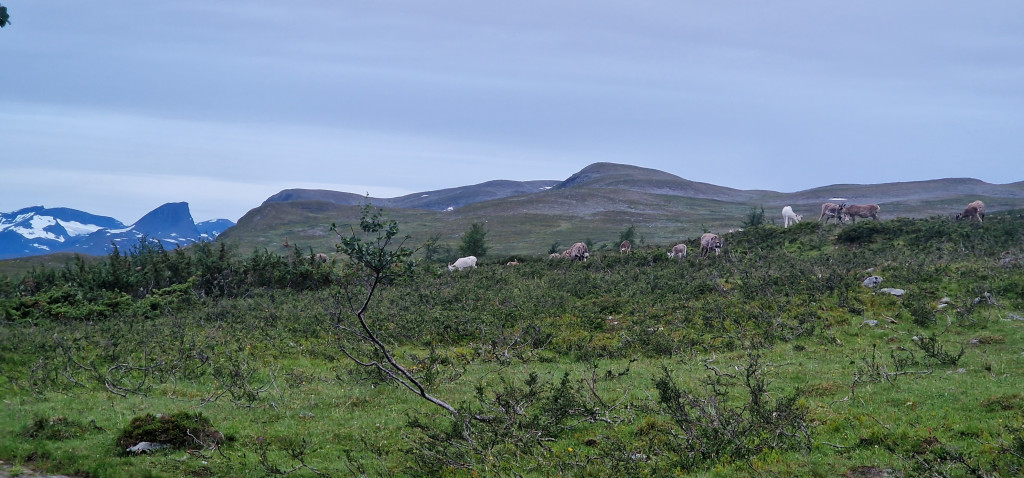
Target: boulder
<point x="872" y="281"/>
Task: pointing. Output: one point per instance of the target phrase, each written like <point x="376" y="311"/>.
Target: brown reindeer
<point x="830" y="210"/>
<point x="678" y="251"/>
<point x="579" y="252"/>
<point x="710" y="242"/>
<point x="865" y="211"/>
<point x="974" y="209"/>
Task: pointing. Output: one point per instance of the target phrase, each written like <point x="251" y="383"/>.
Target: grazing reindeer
<point x="678" y="251"/>
<point x="865" y="211"/>
<point x="468" y="262"/>
<point x="790" y="217"/>
<point x="710" y="242"/>
<point x="579" y="252"/>
<point x="974" y="209"/>
<point x="830" y="210"/>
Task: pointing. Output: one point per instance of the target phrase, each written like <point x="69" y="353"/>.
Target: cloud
<point x="125" y="165"/>
<point x="129" y="196"/>
<point x="416" y="97"/>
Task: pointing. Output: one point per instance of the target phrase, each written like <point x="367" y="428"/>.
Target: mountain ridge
<point x="652" y="181"/>
<point x="435" y="200"/>
<point x="599" y="202"/>
<point x="38" y="230"/>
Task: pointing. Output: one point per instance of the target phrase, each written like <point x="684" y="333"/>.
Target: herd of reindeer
<point x="843" y="213"/>
<point x="710" y="242"/>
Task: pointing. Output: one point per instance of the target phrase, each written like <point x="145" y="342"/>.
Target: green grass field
<point x="770" y="359"/>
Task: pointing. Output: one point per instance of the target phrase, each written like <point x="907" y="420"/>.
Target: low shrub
<point x="55" y="428"/>
<point x="177" y="430"/>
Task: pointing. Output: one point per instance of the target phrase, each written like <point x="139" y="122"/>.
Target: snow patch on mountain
<point x="37" y="229"/>
<point x="76" y="228"/>
<point x="7" y="223"/>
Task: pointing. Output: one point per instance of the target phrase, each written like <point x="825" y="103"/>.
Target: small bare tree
<point x="375" y="255"/>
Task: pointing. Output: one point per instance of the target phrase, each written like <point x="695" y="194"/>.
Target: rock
<point x="872" y="281"/>
<point x="895" y="292"/>
<point x="869" y="323"/>
<point x="146" y="447"/>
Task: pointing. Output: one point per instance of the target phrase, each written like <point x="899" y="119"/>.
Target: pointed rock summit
<point x="170" y="220"/>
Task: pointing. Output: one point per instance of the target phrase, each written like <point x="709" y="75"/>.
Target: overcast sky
<point x="118" y="107"/>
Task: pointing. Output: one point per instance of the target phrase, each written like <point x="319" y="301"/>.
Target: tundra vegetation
<point x="773" y="359"/>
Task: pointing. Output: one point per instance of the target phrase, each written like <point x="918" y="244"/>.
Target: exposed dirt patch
<point x="21" y="472"/>
<point x="871" y="472"/>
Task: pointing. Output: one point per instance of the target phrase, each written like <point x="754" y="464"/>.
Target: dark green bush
<point x="177" y="430"/>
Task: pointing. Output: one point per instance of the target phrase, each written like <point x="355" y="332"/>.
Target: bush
<point x="55" y="428"/>
<point x="755" y="218"/>
<point x="177" y="430"/>
<point x="711" y="431"/>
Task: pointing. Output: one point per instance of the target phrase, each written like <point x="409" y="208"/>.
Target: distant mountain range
<point x="522" y="217"/>
<point x="596" y="203"/>
<point x="439" y="200"/>
<point x="38" y="230"/>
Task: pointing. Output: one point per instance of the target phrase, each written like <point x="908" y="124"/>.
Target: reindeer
<point x="830" y="210"/>
<point x="974" y="209"/>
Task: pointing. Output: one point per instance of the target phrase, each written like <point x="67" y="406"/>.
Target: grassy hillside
<point x="770" y="359"/>
<point x="520" y="226"/>
<point x="527" y="225"/>
<point x="596" y="205"/>
<point x="14" y="268"/>
<point x="608" y="200"/>
<point x="634" y="178"/>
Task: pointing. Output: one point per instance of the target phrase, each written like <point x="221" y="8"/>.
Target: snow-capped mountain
<point x="209" y="230"/>
<point x="38" y="230"/>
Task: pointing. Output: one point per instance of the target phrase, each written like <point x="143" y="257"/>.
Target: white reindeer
<point x="790" y="217"/>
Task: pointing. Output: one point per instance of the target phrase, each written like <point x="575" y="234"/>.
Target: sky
<point x="117" y="107"/>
